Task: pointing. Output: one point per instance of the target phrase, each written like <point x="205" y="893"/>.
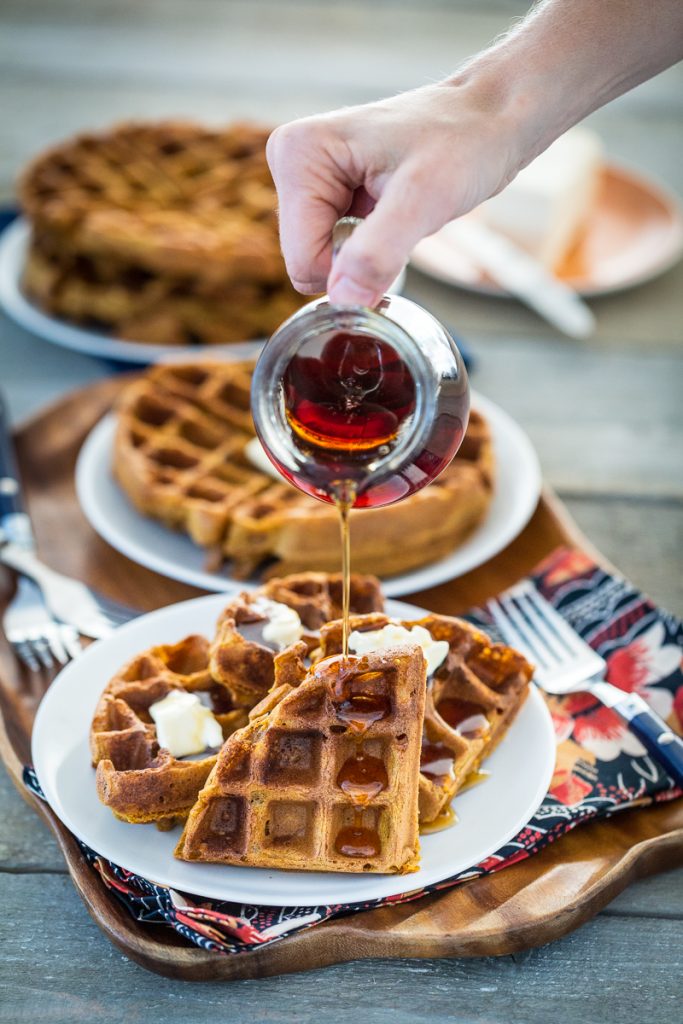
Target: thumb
<point x="374" y="255"/>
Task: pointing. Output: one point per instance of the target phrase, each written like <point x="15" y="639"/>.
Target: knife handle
<point x="660" y="741"/>
<point x="15" y="525"/>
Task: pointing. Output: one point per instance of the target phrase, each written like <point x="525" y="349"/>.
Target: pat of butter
<point x="544" y="208"/>
<point x="184" y="725"/>
<point x="283" y="626"/>
<point x="392" y="635"/>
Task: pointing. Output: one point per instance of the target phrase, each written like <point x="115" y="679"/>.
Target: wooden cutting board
<point x="529" y="904"/>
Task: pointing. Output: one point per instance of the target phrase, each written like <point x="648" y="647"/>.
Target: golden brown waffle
<point x="324" y="777"/>
<point x="244" y="662"/>
<point x="471" y="702"/>
<point x="135" y="778"/>
<point x="162" y="232"/>
<point x="317" y="596"/>
<point x="179" y="449"/>
<point x="138" y="305"/>
<point x="179" y="455"/>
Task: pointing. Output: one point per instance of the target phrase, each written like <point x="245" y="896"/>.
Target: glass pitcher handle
<point x="342" y="230"/>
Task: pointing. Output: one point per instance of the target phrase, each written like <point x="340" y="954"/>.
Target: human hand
<point x="407" y="164"/>
<point x="415" y="161"/>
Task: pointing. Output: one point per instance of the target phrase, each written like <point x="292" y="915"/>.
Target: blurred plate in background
<point x="635" y="233"/>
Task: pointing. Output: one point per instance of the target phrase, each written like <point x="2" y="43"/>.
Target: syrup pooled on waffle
<point x="160" y="232"/>
<point x="139" y="779"/>
<point x="180" y="457"/>
<point x="472" y="699"/>
<point x="324" y="777"/>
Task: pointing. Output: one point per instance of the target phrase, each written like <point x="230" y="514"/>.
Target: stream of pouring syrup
<point x="344" y="498"/>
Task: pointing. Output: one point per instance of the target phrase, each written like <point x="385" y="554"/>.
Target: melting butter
<point x="393" y="635"/>
<point x="185" y="725"/>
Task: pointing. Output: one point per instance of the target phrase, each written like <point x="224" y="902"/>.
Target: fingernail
<point x="347" y="292"/>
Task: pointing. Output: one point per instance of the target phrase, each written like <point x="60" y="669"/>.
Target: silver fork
<point x="70" y="601"/>
<point x="564" y="663"/>
<point x="35" y="637"/>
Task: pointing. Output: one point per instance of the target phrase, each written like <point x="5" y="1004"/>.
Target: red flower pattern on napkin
<point x="635" y="668"/>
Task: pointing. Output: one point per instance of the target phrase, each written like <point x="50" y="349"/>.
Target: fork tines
<point x="46" y="647"/>
<point x="531" y="624"/>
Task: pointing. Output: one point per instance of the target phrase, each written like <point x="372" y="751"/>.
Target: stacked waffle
<point x="180" y="456"/>
<point x="340" y="760"/>
<point x="158" y="232"/>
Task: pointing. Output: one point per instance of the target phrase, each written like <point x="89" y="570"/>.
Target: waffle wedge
<point x="324" y="777"/>
<point x="471" y="701"/>
<point x="137" y="779"/>
<point x="179" y="455"/>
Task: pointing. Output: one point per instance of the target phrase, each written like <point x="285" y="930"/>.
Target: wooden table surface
<point x="606" y="417"/>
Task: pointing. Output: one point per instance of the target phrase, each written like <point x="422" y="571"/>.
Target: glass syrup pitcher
<point x="360" y="407"/>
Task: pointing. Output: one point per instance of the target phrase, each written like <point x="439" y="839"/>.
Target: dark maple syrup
<point x="354" y="396"/>
<point x="349" y="402"/>
<point x="356" y="841"/>
<point x="466" y="717"/>
<point x="343" y="507"/>
<point x="436" y="761"/>
<point x="362" y="710"/>
<point x="356" y="702"/>
<point x="362" y="777"/>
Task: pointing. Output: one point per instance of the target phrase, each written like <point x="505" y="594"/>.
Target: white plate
<point x="634" y="233"/>
<point x="489" y="815"/>
<point x="144" y="540"/>
<point x="13" y="247"/>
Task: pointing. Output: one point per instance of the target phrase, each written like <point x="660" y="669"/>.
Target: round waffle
<point x="180" y="457"/>
<point x="162" y="232"/>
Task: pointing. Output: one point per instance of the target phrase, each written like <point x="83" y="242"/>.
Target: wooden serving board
<point x="526" y="905"/>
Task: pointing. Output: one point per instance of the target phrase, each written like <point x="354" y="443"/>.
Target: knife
<point x="521" y="275"/>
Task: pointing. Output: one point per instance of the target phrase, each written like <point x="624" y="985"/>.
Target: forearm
<point x="566" y="59"/>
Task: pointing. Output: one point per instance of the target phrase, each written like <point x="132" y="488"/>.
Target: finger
<point x="306" y="225"/>
<point x="313" y="192"/>
<point x="407" y="211"/>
